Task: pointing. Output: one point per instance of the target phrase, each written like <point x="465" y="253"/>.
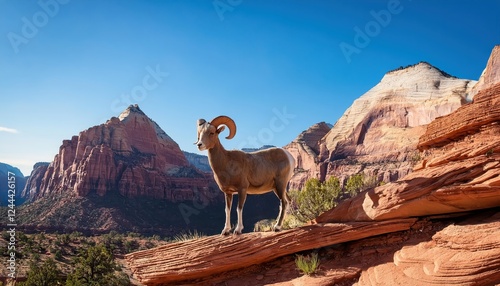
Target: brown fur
<point x="237" y="172"/>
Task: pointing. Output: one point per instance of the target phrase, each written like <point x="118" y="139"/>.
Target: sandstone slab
<point x="212" y="255"/>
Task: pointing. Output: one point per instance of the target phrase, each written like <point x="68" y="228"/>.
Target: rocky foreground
<point x="439" y="225"/>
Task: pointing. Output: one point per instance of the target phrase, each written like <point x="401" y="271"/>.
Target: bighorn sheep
<point x="238" y="172"/>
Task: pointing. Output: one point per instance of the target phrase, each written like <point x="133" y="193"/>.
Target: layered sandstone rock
<point x="462" y="254"/>
<point x="307" y="153"/>
<point x="207" y="256"/>
<point x="460" y="169"/>
<point x="377" y="135"/>
<point x="490" y="75"/>
<point x="130" y="154"/>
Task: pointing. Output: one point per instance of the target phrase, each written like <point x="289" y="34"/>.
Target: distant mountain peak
<point x="422" y="65"/>
<point x="134" y="111"/>
<point x="131" y="109"/>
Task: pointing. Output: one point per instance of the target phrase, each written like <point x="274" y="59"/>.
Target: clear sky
<point x="275" y="67"/>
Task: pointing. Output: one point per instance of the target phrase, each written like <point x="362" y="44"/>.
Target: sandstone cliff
<point x="306" y="150"/>
<point x="377" y="135"/>
<point x="35" y="180"/>
<point x="491" y="73"/>
<point x="460" y="169"/>
<point x="130" y="155"/>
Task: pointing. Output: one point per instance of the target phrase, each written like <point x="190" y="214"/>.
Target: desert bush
<point x="360" y="182"/>
<point x="354" y="184"/>
<point x="156" y="237"/>
<point x="263" y="225"/>
<point x="131" y="245"/>
<point x="44" y="274"/>
<point x="112" y="240"/>
<point x="314" y="198"/>
<point x="185" y="236"/>
<point x="95" y="266"/>
<point x="149" y="244"/>
<point x="291" y="221"/>
<point x="75" y="235"/>
<point x="58" y="255"/>
<point x="307" y="264"/>
<point x="63" y="239"/>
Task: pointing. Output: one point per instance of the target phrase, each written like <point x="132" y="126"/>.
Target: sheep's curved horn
<point x="219" y="120"/>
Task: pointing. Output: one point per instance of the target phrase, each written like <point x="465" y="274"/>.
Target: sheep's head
<point x="208" y="131"/>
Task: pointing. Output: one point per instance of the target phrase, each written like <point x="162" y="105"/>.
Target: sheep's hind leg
<point x="229" y="202"/>
<point x="283" y="196"/>
<point x="242" y="196"/>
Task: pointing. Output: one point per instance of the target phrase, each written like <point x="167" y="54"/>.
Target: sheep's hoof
<point x="225" y="232"/>
<point x="237" y="232"/>
<point x="277" y="228"/>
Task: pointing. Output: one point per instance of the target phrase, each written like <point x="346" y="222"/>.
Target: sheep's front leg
<point x="229" y="202"/>
<point x="242" y="196"/>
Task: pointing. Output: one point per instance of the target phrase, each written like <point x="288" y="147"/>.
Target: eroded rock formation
<point x="378" y="134"/>
<point x="215" y="254"/>
<point x="462" y="254"/>
<point x="130" y="154"/>
<point x="307" y="153"/>
<point x="460" y="169"/>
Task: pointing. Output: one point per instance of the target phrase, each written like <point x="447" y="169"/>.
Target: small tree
<point x="95" y="266"/>
<point x="45" y="274"/>
<point x="354" y="184"/>
<point x="359" y="182"/>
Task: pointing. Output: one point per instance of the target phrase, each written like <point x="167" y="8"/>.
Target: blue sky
<point x="276" y="67"/>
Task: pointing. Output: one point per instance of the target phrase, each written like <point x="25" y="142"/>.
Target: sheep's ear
<point x="220" y="129"/>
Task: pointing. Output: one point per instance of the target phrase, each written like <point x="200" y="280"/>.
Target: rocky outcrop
<point x="378" y="134"/>
<point x="307" y="153"/>
<point x="460" y="169"/>
<point x="35" y="180"/>
<point x="130" y="155"/>
<point x="490" y="75"/>
<point x="215" y="254"/>
<point x="460" y="254"/>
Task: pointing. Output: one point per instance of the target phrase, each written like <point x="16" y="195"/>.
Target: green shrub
<point x="314" y="198"/>
<point x="76" y="235"/>
<point x="291" y="221"/>
<point x="131" y="245"/>
<point x="359" y="182"/>
<point x="264" y="225"/>
<point x="354" y="184"/>
<point x="149" y="244"/>
<point x="96" y="266"/>
<point x="307" y="264"/>
<point x="58" y="255"/>
<point x="45" y="274"/>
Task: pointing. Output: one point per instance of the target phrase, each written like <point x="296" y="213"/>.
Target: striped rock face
<point x="379" y="132"/>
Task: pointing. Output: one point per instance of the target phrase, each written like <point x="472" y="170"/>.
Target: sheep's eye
<point x="212" y="133"/>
